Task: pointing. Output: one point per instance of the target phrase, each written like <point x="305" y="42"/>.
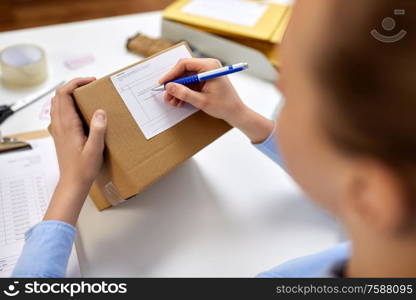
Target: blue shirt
<point x="49" y="244"/>
<point x="46" y="251"/>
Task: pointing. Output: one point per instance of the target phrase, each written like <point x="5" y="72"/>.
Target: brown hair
<point x="372" y="83"/>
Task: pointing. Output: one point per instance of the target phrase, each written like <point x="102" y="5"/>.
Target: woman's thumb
<point x="95" y="142"/>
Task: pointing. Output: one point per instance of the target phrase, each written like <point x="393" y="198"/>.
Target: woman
<point x="346" y="134"/>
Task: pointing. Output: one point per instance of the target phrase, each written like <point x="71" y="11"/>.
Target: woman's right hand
<point x="216" y="97"/>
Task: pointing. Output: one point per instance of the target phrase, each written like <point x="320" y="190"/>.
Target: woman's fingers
<point x="183" y="93"/>
<point x="54" y="114"/>
<point x="177" y="94"/>
<point x="195" y="65"/>
<point x="53" y="109"/>
<point x="64" y="93"/>
<point x="167" y="97"/>
<point x="73" y="84"/>
<point x="172" y="100"/>
<point x="64" y="107"/>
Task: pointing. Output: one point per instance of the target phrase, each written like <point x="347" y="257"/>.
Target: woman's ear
<point x="375" y="197"/>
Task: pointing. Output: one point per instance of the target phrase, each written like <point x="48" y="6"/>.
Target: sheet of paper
<point x="27" y="181"/>
<point x="151" y="113"/>
<point x="240" y="12"/>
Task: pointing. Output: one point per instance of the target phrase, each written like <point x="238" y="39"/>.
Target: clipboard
<point x="95" y="193"/>
<point x="20" y="142"/>
<point x="31" y="135"/>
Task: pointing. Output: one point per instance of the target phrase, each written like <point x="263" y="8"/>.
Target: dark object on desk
<point x="146" y="46"/>
<point x="7" y="110"/>
<point x="11" y="144"/>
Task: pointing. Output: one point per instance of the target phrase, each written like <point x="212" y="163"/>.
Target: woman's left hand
<point x="80" y="158"/>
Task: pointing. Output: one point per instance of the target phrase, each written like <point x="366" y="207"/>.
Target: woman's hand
<point x="216" y="97"/>
<point x="79" y="157"/>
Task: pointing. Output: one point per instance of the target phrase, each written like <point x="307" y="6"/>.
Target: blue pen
<point x="206" y="75"/>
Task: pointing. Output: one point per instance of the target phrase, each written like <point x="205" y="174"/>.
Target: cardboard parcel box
<point x="133" y="162"/>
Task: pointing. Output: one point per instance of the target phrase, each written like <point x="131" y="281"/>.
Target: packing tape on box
<point x="112" y="194"/>
<point x="23" y="65"/>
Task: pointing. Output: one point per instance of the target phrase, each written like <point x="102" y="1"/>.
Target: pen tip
<point x="158" y="88"/>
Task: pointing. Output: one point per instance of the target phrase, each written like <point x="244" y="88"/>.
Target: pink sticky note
<point x="45" y="113"/>
<point x="79" y="62"/>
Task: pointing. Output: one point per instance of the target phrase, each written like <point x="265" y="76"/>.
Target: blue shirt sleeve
<point x="270" y="148"/>
<point x="326" y="264"/>
<point x="47" y="249"/>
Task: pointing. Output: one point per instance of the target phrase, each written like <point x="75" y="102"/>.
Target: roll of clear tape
<point x="23" y="66"/>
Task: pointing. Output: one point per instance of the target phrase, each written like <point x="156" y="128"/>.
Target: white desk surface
<point x="228" y="211"/>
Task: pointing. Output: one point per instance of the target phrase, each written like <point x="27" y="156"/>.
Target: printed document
<point x="151" y="113"/>
<point x="27" y="181"/>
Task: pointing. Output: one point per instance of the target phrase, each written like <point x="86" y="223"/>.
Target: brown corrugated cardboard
<point x="132" y="163"/>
